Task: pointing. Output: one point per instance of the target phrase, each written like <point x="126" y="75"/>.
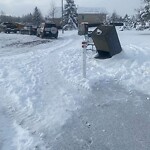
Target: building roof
<point x="91" y="10"/>
<point x="82" y="10"/>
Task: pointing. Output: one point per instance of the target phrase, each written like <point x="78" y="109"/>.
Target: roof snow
<point x="81" y="10"/>
<point x="91" y="10"/>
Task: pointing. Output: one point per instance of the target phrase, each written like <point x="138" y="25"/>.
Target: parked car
<point x="33" y="30"/>
<point x="30" y="30"/>
<point x="47" y="30"/>
<point x="8" y="27"/>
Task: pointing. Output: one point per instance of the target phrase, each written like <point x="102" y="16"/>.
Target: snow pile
<point x="130" y="68"/>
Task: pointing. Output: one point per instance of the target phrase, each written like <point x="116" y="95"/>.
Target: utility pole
<point x="62" y="3"/>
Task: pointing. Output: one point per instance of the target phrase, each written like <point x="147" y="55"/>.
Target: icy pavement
<point x="47" y="105"/>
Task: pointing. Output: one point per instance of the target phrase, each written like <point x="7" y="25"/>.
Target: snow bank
<point x="130" y="68"/>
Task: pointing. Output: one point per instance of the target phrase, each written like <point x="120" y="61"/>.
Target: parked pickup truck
<point x="8" y="27"/>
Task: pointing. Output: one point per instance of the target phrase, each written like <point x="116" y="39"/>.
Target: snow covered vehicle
<point x="47" y="30"/>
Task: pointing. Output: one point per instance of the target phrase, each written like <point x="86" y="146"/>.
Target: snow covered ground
<point x="47" y="105"/>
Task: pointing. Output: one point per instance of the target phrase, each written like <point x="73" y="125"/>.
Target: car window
<point x="49" y="25"/>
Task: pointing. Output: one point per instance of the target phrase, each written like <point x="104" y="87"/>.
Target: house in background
<point x="91" y="15"/>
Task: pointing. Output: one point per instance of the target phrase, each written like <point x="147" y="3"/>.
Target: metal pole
<point x="84" y="60"/>
<point x="62" y="3"/>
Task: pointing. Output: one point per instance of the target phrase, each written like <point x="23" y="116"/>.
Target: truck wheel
<point x="56" y="37"/>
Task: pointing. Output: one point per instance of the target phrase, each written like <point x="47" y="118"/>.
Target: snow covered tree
<point x="115" y="17"/>
<point x="70" y="15"/>
<point x="37" y="17"/>
<point x="128" y="22"/>
<point x="144" y="14"/>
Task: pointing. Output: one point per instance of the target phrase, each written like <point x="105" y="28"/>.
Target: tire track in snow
<point x="58" y="93"/>
<point x="138" y="52"/>
<point x="20" y="96"/>
<point x="27" y="110"/>
<point x="22" y="88"/>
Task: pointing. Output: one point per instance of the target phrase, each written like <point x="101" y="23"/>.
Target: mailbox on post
<point x="106" y="41"/>
<point x="83" y="28"/>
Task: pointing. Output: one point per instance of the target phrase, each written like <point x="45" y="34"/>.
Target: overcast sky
<point x="20" y="7"/>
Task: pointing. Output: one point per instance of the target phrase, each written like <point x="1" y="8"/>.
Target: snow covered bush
<point x="128" y="22"/>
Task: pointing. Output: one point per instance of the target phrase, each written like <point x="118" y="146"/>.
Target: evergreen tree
<point x="37" y="17"/>
<point x="3" y="17"/>
<point x="144" y="13"/>
<point x="115" y="17"/>
<point x="27" y="18"/>
<point x="6" y="18"/>
<point x="70" y="15"/>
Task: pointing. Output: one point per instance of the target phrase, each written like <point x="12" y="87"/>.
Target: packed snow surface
<point x="46" y="104"/>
